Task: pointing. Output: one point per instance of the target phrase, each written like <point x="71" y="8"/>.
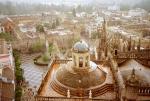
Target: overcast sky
<point x="73" y="1"/>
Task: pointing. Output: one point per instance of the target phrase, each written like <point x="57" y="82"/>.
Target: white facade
<point x="137" y="12"/>
<point x="94" y="25"/>
<point x="2" y="29"/>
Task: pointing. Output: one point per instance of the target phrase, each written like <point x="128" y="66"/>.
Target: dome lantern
<point x="80" y="55"/>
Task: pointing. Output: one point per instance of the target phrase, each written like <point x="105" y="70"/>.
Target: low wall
<point x="42" y="98"/>
<point x="46" y="76"/>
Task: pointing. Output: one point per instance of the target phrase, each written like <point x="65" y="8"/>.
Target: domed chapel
<point x="80" y="75"/>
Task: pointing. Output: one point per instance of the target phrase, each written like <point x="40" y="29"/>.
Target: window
<point x="80" y="61"/>
<point x="86" y="61"/>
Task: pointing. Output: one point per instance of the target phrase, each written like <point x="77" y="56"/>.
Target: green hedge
<point x="18" y="93"/>
<point x="18" y="74"/>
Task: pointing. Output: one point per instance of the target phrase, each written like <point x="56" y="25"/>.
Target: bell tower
<point x="102" y="48"/>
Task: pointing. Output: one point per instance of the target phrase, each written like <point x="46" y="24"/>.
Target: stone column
<point x="88" y="60"/>
<point x="84" y="60"/>
<point x="77" y="61"/>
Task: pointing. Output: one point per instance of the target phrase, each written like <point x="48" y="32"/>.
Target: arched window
<point x="80" y="61"/>
<point x="116" y="52"/>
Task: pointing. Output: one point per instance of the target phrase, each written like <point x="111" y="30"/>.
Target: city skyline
<point x="72" y="2"/>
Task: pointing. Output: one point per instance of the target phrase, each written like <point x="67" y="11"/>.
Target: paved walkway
<point x="32" y="73"/>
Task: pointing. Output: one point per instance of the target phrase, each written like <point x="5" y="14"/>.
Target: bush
<point x="36" y="47"/>
<point x="45" y="57"/>
<point x="18" y="93"/>
<point x="51" y="48"/>
<point x="18" y="74"/>
<point x="94" y="35"/>
<point x="6" y="36"/>
<point x="40" y="28"/>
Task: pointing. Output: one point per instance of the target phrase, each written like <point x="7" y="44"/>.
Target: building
<point x="7" y="77"/>
<point x="77" y="79"/>
<point x="137" y="12"/>
<point x="132" y="73"/>
<point x="1" y="28"/>
<point x="8" y="25"/>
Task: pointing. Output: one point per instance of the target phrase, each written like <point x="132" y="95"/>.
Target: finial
<point x="90" y="94"/>
<point x="68" y="93"/>
<point x="133" y="71"/>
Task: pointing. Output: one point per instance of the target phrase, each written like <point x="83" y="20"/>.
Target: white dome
<point x="81" y="46"/>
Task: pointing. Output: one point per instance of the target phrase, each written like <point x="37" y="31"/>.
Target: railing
<point x="96" y="91"/>
<point x="61" y="61"/>
<point x="144" y="91"/>
<point x="143" y="54"/>
<point x="144" y="62"/>
<point x="4" y="79"/>
<point x="41" y="98"/>
<point x="48" y="72"/>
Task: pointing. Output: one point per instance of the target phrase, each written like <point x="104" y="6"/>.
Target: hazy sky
<point x="74" y="1"/>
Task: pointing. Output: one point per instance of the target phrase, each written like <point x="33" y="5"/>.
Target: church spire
<point x="129" y="44"/>
<point x="104" y="29"/>
<point x="133" y="46"/>
<point x="139" y="45"/>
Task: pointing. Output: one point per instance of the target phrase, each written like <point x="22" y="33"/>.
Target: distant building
<point x="8" y="25"/>
<point x="114" y="8"/>
<point x="7" y="85"/>
<point x="137" y="12"/>
<point x="1" y="28"/>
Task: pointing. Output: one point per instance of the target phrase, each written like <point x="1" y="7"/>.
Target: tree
<point x="39" y="28"/>
<point x="51" y="48"/>
<point x="7" y="36"/>
<point x="74" y="12"/>
<point x="45" y="57"/>
<point x="79" y="8"/>
<point x="57" y="22"/>
<point x="36" y="47"/>
<point x="47" y="25"/>
<point x="53" y="25"/>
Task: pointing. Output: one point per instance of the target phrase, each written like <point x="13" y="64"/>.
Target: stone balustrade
<point x="144" y="91"/>
<point x="96" y="91"/>
<point x="142" y="54"/>
<point x="41" y="98"/>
